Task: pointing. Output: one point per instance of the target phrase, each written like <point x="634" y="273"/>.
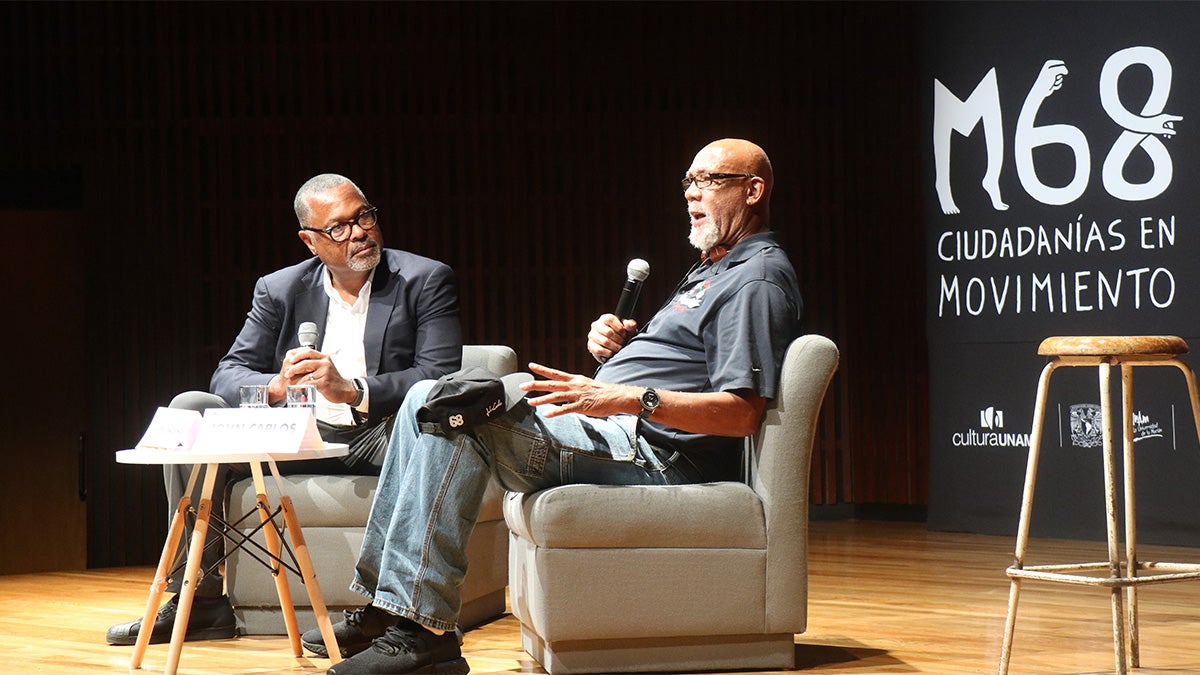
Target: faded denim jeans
<point x="413" y="556"/>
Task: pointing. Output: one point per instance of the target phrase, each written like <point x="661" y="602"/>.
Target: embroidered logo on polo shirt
<point x="693" y="298"/>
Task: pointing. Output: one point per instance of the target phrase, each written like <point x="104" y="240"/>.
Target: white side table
<point x="206" y="464"/>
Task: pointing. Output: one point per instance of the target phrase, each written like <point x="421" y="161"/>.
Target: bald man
<point x="670" y="404"/>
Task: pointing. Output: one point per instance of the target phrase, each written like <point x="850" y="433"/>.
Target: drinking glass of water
<point x="253" y="396"/>
<point x="302" y="396"/>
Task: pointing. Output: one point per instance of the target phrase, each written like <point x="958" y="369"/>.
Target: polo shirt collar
<point x="747" y="248"/>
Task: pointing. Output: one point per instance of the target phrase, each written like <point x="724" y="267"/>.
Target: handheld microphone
<point x="308" y="335"/>
<point x="635" y="273"/>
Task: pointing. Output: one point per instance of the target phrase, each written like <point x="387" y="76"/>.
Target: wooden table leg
<point x="195" y="553"/>
<point x="310" y="579"/>
<point x="159" y="584"/>
<point x="275" y="546"/>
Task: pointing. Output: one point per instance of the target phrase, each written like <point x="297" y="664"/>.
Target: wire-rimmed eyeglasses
<point x="703" y="180"/>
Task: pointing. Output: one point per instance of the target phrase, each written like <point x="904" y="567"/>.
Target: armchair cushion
<point x="709" y="515"/>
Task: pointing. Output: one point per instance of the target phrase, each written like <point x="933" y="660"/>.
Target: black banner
<point x="1063" y="161"/>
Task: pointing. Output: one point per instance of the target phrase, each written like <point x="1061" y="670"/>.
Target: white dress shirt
<point x="343" y="343"/>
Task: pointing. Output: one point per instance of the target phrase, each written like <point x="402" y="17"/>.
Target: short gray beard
<point x="365" y="264"/>
<point x="705" y="237"/>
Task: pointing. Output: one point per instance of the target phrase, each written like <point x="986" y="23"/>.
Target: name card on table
<point x="266" y="430"/>
<point x="171" y="429"/>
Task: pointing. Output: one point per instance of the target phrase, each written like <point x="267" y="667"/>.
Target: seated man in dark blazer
<point x="386" y="319"/>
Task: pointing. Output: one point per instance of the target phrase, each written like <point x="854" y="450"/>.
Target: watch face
<point x="650" y="399"/>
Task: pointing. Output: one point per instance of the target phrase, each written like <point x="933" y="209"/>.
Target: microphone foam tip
<point x="638" y="269"/>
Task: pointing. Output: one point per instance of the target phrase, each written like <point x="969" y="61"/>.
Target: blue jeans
<point x="413" y="556"/>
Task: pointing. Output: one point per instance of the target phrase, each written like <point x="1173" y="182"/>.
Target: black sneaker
<point x="210" y="619"/>
<point x="407" y="648"/>
<point x="354" y="633"/>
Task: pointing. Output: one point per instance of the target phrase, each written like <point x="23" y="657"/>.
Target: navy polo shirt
<point x="725" y="327"/>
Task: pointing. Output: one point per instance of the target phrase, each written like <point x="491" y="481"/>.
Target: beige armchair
<point x="333" y="512"/>
<point x="677" y="578"/>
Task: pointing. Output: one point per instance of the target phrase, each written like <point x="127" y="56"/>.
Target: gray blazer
<point x="412" y="333"/>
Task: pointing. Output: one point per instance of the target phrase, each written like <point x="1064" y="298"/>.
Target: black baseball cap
<point x="461" y="401"/>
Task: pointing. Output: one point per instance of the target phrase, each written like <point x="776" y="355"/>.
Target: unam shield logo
<point x="1086" y="430"/>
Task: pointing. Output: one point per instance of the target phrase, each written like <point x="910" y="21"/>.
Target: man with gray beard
<point x="386" y="319"/>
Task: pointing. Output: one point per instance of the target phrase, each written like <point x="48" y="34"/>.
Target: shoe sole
<point x="458" y="666"/>
<point x="455" y="667"/>
<point x="217" y="633"/>
<point x="319" y="649"/>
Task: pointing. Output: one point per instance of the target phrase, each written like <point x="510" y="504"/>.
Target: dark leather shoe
<point x="354" y="633"/>
<point x="407" y="648"/>
<point x="210" y="620"/>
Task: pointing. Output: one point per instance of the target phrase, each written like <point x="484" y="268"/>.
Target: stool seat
<point x="1113" y="345"/>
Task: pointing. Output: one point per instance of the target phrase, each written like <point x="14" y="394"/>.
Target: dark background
<point x="989" y="361"/>
<point x="536" y="148"/>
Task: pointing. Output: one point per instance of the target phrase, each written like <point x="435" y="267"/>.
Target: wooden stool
<point x="1122" y="577"/>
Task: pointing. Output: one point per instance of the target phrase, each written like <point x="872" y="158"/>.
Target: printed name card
<point x="171" y="429"/>
<point x="265" y="430"/>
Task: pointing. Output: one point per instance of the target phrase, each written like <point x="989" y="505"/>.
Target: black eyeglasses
<point x="341" y="231"/>
<point x="703" y="180"/>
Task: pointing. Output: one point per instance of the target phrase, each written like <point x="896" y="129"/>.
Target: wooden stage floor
<point x="885" y="597"/>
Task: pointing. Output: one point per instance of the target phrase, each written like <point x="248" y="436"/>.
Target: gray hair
<point x="316" y="185"/>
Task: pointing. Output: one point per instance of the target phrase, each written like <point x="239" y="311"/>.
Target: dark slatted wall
<point x="534" y="147"/>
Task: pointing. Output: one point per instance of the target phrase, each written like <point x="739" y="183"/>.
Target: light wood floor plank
<point x="884" y="598"/>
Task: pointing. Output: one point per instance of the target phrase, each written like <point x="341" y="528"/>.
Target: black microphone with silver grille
<point x="308" y="335"/>
<point x="635" y="273"/>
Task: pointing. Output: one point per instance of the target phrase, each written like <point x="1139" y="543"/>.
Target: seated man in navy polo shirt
<point x="670" y="404"/>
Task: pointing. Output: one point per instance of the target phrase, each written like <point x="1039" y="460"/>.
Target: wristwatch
<point x="362" y="391"/>
<point x="649" y="401"/>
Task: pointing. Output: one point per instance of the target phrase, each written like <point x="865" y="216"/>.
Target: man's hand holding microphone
<point x="306" y="365"/>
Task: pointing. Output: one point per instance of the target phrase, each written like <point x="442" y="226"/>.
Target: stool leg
<point x="1010" y="624"/>
<point x="1110" y="506"/>
<point x="1193" y="391"/>
<point x="1131" y="559"/>
<point x="1035" y="444"/>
